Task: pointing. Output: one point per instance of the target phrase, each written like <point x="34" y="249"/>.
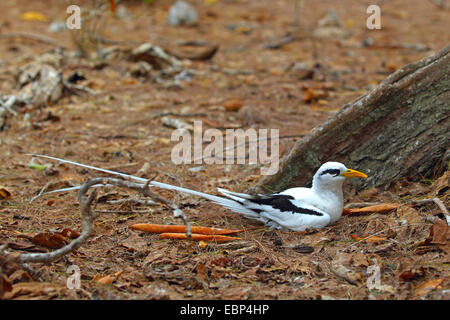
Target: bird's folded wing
<point x="290" y="213"/>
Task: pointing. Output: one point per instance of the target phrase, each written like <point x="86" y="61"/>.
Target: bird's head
<point x="333" y="174"/>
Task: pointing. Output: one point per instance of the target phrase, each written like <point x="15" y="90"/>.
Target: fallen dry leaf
<point x="373" y="239"/>
<point x="29" y="290"/>
<point x="438" y="232"/>
<point x="379" y="208"/>
<point x="33" y="16"/>
<point x="412" y="273"/>
<point x="441" y="185"/>
<point x="107" y="279"/>
<point x="5" y="285"/>
<point x="50" y="240"/>
<point x="202" y="271"/>
<point x="314" y="95"/>
<point x="233" y="105"/>
<point x="428" y="286"/>
<point x="4" y="193"/>
<point x="69" y="233"/>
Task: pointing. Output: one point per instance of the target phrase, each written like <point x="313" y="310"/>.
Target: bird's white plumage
<point x="294" y="209"/>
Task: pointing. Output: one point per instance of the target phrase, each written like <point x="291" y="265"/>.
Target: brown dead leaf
<point x="5" y="193"/>
<point x="412" y="273"/>
<point x="233" y="105"/>
<point x="438" y="232"/>
<point x="202" y="272"/>
<point x="69" y="233"/>
<point x="5" y="285"/>
<point x="29" y="290"/>
<point x="50" y="240"/>
<point x="134" y="243"/>
<point x="441" y="185"/>
<point x="427" y="286"/>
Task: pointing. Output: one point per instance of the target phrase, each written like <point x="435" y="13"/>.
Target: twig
<point x="379" y="232"/>
<point x="44" y="190"/>
<point x="361" y="204"/>
<point x="31" y="36"/>
<point x="436" y="201"/>
<point x="76" y="87"/>
<point x="88" y="217"/>
<point x="8" y="104"/>
<point x="143" y="202"/>
<point x="163" y="114"/>
<point x="283" y="41"/>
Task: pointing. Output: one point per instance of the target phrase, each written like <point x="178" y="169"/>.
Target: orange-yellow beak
<point x="350" y="173"/>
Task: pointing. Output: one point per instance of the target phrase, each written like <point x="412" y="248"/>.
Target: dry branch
<point x="31" y="36"/>
<point x="88" y="217"/>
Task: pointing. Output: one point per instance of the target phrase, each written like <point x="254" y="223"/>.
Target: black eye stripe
<point x="334" y="172"/>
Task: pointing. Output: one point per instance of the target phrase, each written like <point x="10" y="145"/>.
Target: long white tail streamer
<point x="227" y="203"/>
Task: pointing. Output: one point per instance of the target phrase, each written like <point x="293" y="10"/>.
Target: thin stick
<point x="31" y="36"/>
<point x="88" y="217"/>
<point x="361" y="204"/>
<point x="436" y="201"/>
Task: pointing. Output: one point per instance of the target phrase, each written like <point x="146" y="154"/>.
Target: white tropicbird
<point x="294" y="209"/>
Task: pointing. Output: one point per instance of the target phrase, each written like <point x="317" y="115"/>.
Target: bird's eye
<point x="333" y="172"/>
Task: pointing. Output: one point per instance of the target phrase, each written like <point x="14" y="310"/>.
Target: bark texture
<point x="400" y="129"/>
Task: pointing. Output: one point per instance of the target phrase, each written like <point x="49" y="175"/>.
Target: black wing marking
<point x="283" y="203"/>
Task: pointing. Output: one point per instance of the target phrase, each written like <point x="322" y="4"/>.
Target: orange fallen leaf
<point x="33" y="16"/>
<point x="368" y="238"/>
<point x="428" y="286"/>
<point x="107" y="279"/>
<point x="161" y="228"/>
<point x="233" y="105"/>
<point x="198" y="237"/>
<point x="379" y="208"/>
<point x="345" y="211"/>
<point x="4" y="193"/>
<point x="314" y="95"/>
